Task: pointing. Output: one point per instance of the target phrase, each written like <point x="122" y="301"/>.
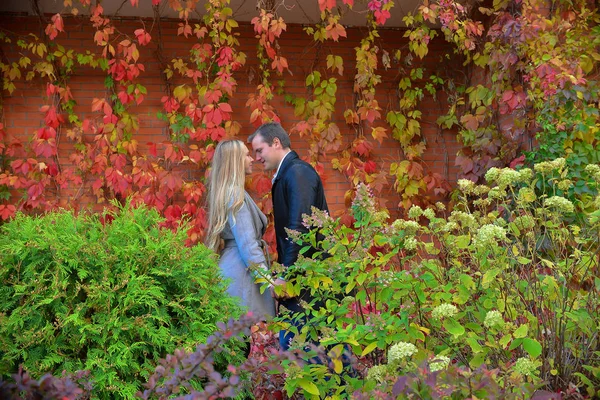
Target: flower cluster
<point x="400" y="351"/>
<point x="410" y="243"/>
<point x="466" y="220"/>
<point x="415" y="212"/>
<point x="525" y="366"/>
<point x="493" y="319"/>
<point x="439" y="363"/>
<point x="377" y="373"/>
<point x="466" y="186"/>
<point x="527" y="195"/>
<point x="524" y="222"/>
<point x="559" y="204"/>
<point x="409" y="227"/>
<point x="547" y="167"/>
<point x="444" y="311"/>
<point x="490" y="234"/>
<point x="594" y="171"/>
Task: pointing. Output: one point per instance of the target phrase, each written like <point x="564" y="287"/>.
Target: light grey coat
<point x="242" y="239"/>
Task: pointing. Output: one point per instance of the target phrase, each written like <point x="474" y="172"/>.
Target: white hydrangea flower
<point x="525" y="366"/>
<point x="439" y="363"/>
<point x="492" y="174"/>
<point x="560" y="204"/>
<point x="410" y="243"/>
<point x="400" y="351"/>
<point x="415" y="212"/>
<point x="527" y="195"/>
<point x="565" y="184"/>
<point x="490" y="234"/>
<point x="594" y="171"/>
<point x="466" y="185"/>
<point x="440" y="206"/>
<point x="508" y="177"/>
<point x="493" y="318"/>
<point x="526" y="174"/>
<point x="466" y="220"/>
<point x="409" y="227"/>
<point x="377" y="373"/>
<point x="429" y="213"/>
<point x="444" y="310"/>
<point x="524" y="222"/>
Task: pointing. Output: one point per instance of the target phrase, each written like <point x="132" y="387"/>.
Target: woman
<point x="236" y="226"/>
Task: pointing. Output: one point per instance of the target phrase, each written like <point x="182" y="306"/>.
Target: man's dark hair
<point x="270" y="131"/>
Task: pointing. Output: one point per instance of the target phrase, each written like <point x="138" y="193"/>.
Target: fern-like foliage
<point x="110" y="293"/>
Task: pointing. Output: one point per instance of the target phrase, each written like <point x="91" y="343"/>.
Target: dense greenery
<point x="508" y="279"/>
<point x="108" y="293"/>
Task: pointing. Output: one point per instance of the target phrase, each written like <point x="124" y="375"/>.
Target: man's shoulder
<point x="299" y="166"/>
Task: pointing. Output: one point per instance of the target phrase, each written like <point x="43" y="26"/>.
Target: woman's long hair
<point x="225" y="188"/>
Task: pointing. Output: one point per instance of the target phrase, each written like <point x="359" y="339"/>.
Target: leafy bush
<point x="509" y="279"/>
<point x="67" y="387"/>
<point x="111" y="294"/>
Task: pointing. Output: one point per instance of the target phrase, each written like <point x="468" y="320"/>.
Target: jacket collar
<point x="285" y="164"/>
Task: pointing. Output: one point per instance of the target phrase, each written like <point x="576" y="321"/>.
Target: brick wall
<point x="22" y="115"/>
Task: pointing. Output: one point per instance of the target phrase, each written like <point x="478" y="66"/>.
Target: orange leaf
<point x="379" y="134"/>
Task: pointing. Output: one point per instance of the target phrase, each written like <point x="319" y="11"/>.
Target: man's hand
<point x="278" y="290"/>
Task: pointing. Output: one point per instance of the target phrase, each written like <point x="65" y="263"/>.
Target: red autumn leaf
<point x="172" y="181"/>
<point x="335" y="31"/>
<point x="152" y="148"/>
<point x="142" y="36"/>
<point x="465" y="163"/>
<point x="156" y="2"/>
<point x="326" y="4"/>
<point x="381" y="16"/>
<point x="97" y="104"/>
<point x="470" y="121"/>
<point x="134" y="3"/>
<point x="349" y="2"/>
<point x="279" y="63"/>
<point x="370" y="167"/>
<point x="7" y="211"/>
<point x="362" y="147"/>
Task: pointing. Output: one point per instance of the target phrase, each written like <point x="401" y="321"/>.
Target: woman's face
<point x="247" y="161"/>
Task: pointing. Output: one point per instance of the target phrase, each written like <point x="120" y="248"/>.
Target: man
<point x="297" y="187"/>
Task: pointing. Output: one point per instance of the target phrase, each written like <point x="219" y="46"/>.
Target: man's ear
<point x="276" y="142"/>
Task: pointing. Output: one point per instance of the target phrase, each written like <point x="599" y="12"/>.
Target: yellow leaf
<point x="309" y="386"/>
<point x="369" y="349"/>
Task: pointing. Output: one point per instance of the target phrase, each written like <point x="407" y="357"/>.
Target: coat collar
<point x="285" y="164"/>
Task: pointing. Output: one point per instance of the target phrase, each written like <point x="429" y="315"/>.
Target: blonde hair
<point x="225" y="188"/>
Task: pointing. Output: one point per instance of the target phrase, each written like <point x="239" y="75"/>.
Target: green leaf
<point x="309" y="386"/>
<point x="369" y="349"/>
<point x="521" y="331"/>
<point x="454" y="327"/>
<point x="532" y="347"/>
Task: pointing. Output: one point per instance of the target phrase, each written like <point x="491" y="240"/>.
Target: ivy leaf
<point x="379" y="134"/>
<point x="326" y="4"/>
<point x="279" y="63"/>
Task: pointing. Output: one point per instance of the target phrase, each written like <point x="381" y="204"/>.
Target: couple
<point x="237" y="220"/>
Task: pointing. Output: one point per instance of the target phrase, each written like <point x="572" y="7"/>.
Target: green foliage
<point x="509" y="279"/>
<point x="110" y="294"/>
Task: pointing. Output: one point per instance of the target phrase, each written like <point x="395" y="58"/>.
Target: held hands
<point x="279" y="290"/>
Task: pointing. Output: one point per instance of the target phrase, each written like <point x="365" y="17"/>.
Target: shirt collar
<point x="279" y="166"/>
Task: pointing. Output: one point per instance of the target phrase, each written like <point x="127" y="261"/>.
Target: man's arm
<point x="301" y="186"/>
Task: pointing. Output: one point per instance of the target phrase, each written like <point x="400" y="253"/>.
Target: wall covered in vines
<point x="97" y="107"/>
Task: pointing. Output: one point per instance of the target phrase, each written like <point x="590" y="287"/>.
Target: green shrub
<point x="111" y="294"/>
<point x="509" y="279"/>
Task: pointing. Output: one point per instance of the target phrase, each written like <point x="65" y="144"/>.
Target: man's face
<point x="268" y="156"/>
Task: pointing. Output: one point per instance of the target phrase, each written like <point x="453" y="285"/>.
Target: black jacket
<point x="297" y="187"/>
